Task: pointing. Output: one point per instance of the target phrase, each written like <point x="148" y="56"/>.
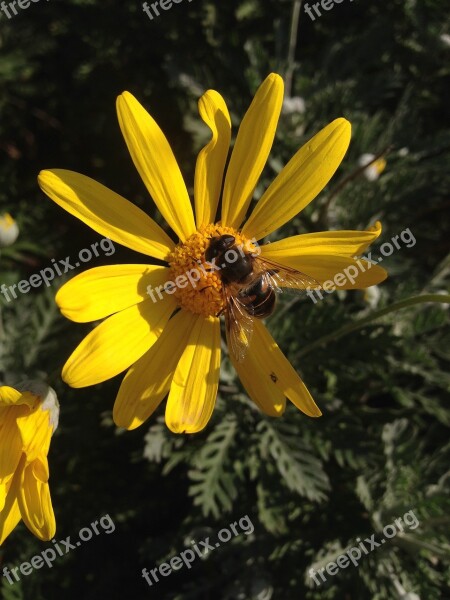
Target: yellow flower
<point x="178" y="353"/>
<point x="374" y="167"/>
<point x="27" y="421"/>
<point x="9" y="230"/>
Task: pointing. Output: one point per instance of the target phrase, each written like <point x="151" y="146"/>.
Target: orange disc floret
<point x="198" y="285"/>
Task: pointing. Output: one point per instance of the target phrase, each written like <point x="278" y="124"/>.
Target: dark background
<point x="310" y="487"/>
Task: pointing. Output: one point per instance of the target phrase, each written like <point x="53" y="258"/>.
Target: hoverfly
<point x="249" y="285"/>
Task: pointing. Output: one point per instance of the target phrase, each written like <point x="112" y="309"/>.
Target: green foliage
<point x="214" y="488"/>
<point x="301" y="471"/>
<point x="311" y="487"/>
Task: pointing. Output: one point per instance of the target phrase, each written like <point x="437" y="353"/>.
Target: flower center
<point x="198" y="283"/>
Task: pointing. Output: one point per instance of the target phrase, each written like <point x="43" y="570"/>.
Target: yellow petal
<point x="261" y="389"/>
<point x="10" y="513"/>
<point x="211" y="160"/>
<point x="36" y="505"/>
<point x="345" y="243"/>
<point x="350" y="273"/>
<point x="305" y="175"/>
<point x="117" y="343"/>
<point x="40" y="468"/>
<point x="252" y="147"/>
<point x="3" y="492"/>
<point x="10" y="396"/>
<point x="149" y="379"/>
<point x="194" y="388"/>
<point x="272" y="372"/>
<point x="154" y="159"/>
<point x="105" y="212"/>
<point x="36" y="432"/>
<point x="10" y="443"/>
<point x="102" y="291"/>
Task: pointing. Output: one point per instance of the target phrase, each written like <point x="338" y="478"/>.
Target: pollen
<point x="198" y="284"/>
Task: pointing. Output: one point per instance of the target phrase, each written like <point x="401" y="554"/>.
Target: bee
<point x="249" y="284"/>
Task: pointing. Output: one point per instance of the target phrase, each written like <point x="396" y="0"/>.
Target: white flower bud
<point x="372" y="296"/>
<point x="294" y="104"/>
<point x="9" y="230"/>
<point x="374" y="170"/>
<point x="47" y="395"/>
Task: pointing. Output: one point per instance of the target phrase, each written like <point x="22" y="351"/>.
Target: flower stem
<point x="292" y="44"/>
<point x="335" y="335"/>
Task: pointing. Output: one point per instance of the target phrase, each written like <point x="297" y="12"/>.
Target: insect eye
<point x="226" y="241"/>
<point x="214" y="248"/>
<point x="210" y="254"/>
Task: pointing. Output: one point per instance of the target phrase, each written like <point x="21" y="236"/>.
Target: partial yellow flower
<point x="28" y="419"/>
<point x="9" y="230"/>
<point x="170" y="340"/>
<point x="374" y="167"/>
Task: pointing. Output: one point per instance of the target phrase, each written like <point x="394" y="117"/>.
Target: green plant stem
<point x="438" y="298"/>
<point x="297" y="5"/>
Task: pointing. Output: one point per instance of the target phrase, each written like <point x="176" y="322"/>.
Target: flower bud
<point x="9" y="230"/>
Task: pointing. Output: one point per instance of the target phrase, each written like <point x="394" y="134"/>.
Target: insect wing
<point x="239" y="326"/>
<point x="284" y="278"/>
